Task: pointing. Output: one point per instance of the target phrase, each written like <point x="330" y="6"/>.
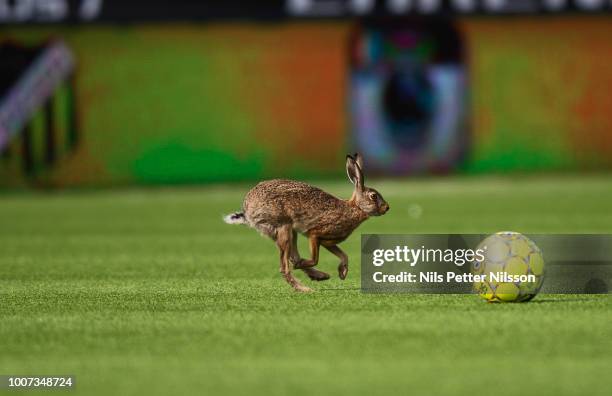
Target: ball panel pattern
<point x="509" y="254"/>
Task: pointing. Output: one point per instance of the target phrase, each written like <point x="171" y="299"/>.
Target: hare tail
<point x="235" y="218"/>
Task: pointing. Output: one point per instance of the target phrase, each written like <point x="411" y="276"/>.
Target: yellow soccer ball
<point x="512" y="266"/>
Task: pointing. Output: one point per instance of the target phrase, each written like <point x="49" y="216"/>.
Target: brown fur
<point x="281" y="208"/>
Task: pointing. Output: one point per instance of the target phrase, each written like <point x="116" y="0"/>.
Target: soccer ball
<point x="512" y="266"/>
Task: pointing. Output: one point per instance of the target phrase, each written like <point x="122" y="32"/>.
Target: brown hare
<point x="282" y="208"/>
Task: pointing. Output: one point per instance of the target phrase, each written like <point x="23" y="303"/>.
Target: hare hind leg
<point x="284" y="241"/>
<point x="266" y="229"/>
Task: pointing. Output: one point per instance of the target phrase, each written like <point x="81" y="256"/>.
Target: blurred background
<point x="109" y="92"/>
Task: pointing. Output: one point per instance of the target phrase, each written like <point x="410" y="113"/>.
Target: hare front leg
<point x="314" y="253"/>
<point x="312" y="273"/>
<point x="284" y="243"/>
<point x="343" y="267"/>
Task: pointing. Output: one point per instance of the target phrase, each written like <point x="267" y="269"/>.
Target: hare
<point x="280" y="209"/>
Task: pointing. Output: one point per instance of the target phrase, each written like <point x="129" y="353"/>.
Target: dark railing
<point x="30" y="82"/>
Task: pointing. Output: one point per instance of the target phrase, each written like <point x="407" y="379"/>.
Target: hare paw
<point x="304" y="263"/>
<point x="316" y="275"/>
<point x="343" y="271"/>
<point x="303" y="289"/>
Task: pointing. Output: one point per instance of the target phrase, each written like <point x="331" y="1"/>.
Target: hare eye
<point x="373" y="196"/>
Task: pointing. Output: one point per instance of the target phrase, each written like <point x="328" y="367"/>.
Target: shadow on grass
<point x="589" y="297"/>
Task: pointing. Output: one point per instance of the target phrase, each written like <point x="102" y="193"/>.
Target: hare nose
<point x="385" y="208"/>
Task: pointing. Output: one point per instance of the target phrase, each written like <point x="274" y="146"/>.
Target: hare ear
<point x="358" y="160"/>
<point x="354" y="173"/>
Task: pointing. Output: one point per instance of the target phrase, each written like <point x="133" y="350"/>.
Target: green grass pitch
<point x="147" y="291"/>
